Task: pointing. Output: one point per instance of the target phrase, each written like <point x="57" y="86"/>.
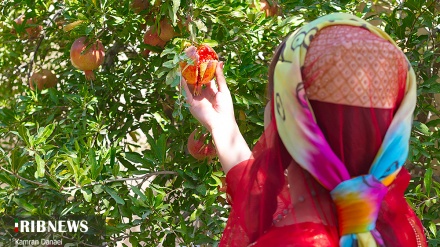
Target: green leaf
<point x="210" y="42"/>
<point x="23" y="204"/>
<point x="18" y="159"/>
<point x="160" y="148"/>
<point x="176" y="5"/>
<point x="169" y="64"/>
<point x="430" y="85"/>
<point x="44" y="133"/>
<point x="218" y="182"/>
<point x="112" y="156"/>
<point x="95" y="167"/>
<point x="41" y="166"/>
<point x="134" y="157"/>
<point x="427" y="181"/>
<point x="87" y="195"/>
<point x="114" y="195"/>
<point x="201" y="189"/>
<point x="134" y="241"/>
<point x="82" y="16"/>
<point x="138" y="192"/>
<point x="97" y="189"/>
<point x="433" y="123"/>
<point x="422" y="128"/>
<point x="173" y="77"/>
<point x="115" y="170"/>
<point x="201" y="26"/>
<point x="6" y="179"/>
<point x="25" y="135"/>
<point x="167" y="51"/>
<point x="72" y="165"/>
<point x="433" y="228"/>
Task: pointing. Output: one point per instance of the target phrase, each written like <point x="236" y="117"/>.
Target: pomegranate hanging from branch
<point x="87" y="56"/>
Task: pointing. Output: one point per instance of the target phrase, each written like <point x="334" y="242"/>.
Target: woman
<point x="328" y="169"/>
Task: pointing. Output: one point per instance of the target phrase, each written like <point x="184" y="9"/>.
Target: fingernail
<point x="222" y="64"/>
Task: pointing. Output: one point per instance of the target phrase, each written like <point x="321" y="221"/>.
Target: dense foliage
<point x="116" y="146"/>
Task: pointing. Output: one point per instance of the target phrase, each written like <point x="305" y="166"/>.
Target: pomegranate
<point x="139" y="5"/>
<point x="43" y="79"/>
<point x="145" y="53"/>
<point x="152" y="38"/>
<point x="222" y="188"/>
<point x="198" y="148"/>
<point x="202" y="70"/>
<point x="87" y="57"/>
<point x="31" y="32"/>
<point x="270" y="9"/>
<point x="166" y="30"/>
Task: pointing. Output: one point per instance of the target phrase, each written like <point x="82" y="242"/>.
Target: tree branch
<point x="22" y="178"/>
<point x="43" y="35"/>
<point x="121" y="179"/>
<point x="81" y="242"/>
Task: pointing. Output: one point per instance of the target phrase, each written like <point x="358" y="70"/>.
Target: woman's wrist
<point x="230" y="144"/>
<point x="225" y="128"/>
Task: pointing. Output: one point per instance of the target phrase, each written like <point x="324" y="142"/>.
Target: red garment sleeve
<point x="254" y="188"/>
<point x="233" y="179"/>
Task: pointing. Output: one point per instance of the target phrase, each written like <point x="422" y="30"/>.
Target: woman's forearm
<point x="231" y="146"/>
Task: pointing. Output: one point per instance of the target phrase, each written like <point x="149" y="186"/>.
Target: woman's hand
<point x="214" y="110"/>
<point x="213" y="107"/>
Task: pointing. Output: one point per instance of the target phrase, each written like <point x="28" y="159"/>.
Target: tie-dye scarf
<point x="357" y="199"/>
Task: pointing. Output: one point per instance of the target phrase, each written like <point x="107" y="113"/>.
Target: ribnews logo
<point x="52" y="231"/>
<point x="50" y="226"/>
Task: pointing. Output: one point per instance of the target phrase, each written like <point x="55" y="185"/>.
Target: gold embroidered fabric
<point x="358" y="70"/>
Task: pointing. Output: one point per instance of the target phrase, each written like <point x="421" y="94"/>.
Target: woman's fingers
<point x="221" y="81"/>
<point x="213" y="87"/>
<point x="210" y="90"/>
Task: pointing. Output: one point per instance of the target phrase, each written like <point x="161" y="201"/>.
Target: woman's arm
<point x="214" y="110"/>
<point x="231" y="146"/>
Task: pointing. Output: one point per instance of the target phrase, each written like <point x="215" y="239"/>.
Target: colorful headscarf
<point x="357" y="199"/>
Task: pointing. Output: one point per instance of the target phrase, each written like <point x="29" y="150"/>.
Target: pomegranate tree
<point x="200" y="147"/>
<point x="202" y="69"/>
<point x="87" y="56"/>
<point x="43" y="79"/>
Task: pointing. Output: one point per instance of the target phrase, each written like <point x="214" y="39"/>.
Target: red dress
<point x="397" y="223"/>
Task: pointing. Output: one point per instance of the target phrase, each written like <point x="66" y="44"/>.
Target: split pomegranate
<point x="198" y="148"/>
<point x="87" y="57"/>
<point x="202" y="69"/>
<point x="31" y="32"/>
<point x="43" y="79"/>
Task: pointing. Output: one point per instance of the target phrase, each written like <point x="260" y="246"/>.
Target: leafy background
<point x="116" y="147"/>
